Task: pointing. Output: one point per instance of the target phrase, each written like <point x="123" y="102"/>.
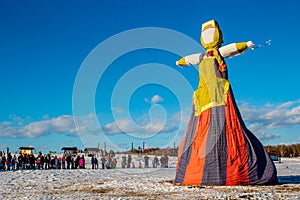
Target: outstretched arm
<point x="193" y="59"/>
<point x="235" y="49"/>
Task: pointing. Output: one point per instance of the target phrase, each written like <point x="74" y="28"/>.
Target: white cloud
<point x="266" y="119"/>
<point x="86" y="125"/>
<point x="63" y="125"/>
<point x="262" y="121"/>
<point x="182" y="116"/>
<point x="117" y="127"/>
<point x="284" y="115"/>
<point x="286" y="104"/>
<point x="261" y="133"/>
<point x="154" y="100"/>
<point x="5" y="123"/>
<point x="144" y="128"/>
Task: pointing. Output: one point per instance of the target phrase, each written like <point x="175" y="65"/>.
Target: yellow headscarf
<point x="212" y="39"/>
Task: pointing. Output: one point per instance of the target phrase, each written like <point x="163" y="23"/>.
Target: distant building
<point x="26" y="150"/>
<point x="91" y="151"/>
<point x="70" y="150"/>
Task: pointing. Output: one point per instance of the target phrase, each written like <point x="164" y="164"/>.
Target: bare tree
<point x="283" y="150"/>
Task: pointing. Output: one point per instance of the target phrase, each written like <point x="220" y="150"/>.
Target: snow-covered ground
<point x="137" y="184"/>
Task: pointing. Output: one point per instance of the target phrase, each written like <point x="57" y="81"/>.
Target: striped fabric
<point x="218" y="149"/>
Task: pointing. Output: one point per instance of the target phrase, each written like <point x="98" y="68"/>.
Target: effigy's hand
<point x="250" y="45"/>
<point x="181" y="62"/>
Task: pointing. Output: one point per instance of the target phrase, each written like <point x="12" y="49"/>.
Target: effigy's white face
<point x="208" y="35"/>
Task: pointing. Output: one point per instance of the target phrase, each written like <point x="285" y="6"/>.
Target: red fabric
<point x="237" y="161"/>
<point x="194" y="170"/>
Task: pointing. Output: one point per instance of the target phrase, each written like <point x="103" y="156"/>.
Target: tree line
<point x="283" y="150"/>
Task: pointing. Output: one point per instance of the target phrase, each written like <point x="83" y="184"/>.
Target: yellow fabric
<point x="218" y="37"/>
<point x="212" y="91"/>
<point x="241" y="47"/>
<point x="182" y="61"/>
<point x="218" y="57"/>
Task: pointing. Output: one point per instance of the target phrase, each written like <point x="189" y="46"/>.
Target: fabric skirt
<point x="218" y="149"/>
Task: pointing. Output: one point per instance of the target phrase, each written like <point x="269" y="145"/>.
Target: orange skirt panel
<point x="194" y="170"/>
<point x="237" y="161"/>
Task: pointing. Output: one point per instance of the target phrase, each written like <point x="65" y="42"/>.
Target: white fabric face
<point x="208" y="35"/>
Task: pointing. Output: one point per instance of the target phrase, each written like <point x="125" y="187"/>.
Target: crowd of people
<point x="162" y="162"/>
<point x="68" y="161"/>
<point x="41" y="161"/>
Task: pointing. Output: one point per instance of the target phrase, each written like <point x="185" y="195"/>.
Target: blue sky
<point x="43" y="45"/>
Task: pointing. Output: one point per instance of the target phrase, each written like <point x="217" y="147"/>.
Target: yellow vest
<point x="212" y="90"/>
